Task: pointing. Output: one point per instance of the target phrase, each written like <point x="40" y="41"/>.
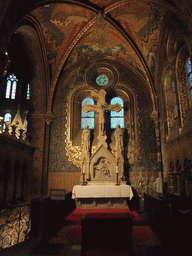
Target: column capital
<point x="49" y="118"/>
<point x="155" y="115"/>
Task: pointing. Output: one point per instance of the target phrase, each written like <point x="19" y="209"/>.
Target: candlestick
<point x="117" y="169"/>
<point x="83" y="179"/>
<point x="117" y="184"/>
<point x="83" y="168"/>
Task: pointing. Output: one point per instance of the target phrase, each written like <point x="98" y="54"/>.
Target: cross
<point x="100" y="108"/>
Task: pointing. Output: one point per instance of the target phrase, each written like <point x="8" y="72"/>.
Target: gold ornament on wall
<point x="73" y="152"/>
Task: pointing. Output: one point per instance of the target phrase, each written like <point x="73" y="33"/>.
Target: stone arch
<point x="170" y="107"/>
<point x="75" y="116"/>
<point x="73" y="86"/>
<point x="69" y="50"/>
<point x="38" y="76"/>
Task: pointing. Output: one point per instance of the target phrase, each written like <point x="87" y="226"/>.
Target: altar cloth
<point x="100" y="191"/>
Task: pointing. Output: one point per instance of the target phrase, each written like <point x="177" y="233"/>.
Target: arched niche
<point x="32" y="46"/>
<point x="74" y="112"/>
<point x="73" y="87"/>
<point x="171" y="99"/>
<point x="182" y="82"/>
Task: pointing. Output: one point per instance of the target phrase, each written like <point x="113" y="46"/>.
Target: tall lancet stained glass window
<point x="28" y="92"/>
<point x="11" y="87"/>
<point x="189" y="74"/>
<point x="117" y="117"/>
<point x="87" y="118"/>
<point x="7" y="118"/>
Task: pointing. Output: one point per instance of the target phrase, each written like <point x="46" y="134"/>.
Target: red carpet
<point x="144" y="240"/>
<point x="76" y="216"/>
<point x="141" y="236"/>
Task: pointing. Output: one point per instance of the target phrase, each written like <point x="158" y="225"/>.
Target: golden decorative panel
<point x="63" y="180"/>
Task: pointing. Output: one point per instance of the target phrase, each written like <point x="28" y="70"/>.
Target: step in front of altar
<point x="101" y="203"/>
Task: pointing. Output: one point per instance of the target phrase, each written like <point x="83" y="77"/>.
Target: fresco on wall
<point x="141" y="152"/>
<point x="58" y="161"/>
<point x="60" y="24"/>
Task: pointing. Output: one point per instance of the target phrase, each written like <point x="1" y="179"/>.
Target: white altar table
<point x="102" y="196"/>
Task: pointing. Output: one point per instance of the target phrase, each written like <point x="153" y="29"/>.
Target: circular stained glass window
<point x="102" y="80"/>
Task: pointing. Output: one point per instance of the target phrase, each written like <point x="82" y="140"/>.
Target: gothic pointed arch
<point x="119" y="32"/>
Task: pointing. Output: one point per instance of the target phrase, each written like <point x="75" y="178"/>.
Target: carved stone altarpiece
<point x="102" y="167"/>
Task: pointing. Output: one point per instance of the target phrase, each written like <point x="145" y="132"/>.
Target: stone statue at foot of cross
<point x="85" y="142"/>
<point x="119" y="140"/>
<point x="119" y="148"/>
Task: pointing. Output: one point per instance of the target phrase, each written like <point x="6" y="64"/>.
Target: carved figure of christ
<point x="100" y="108"/>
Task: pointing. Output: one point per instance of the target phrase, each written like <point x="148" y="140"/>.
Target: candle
<point x="83" y="168"/>
<point x="116" y="169"/>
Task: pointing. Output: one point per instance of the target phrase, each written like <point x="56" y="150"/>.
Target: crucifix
<point x="100" y="108"/>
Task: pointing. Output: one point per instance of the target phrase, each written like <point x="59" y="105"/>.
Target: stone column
<point x="178" y="175"/>
<point x="155" y="118"/>
<point x="48" y="120"/>
<point x="36" y="129"/>
<point x="171" y="183"/>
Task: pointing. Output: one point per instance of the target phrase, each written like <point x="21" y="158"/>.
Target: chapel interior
<point x="57" y="56"/>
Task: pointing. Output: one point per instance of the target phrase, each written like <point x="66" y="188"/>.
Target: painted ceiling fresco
<point x="60" y="24"/>
<point x="101" y="3"/>
<point x="103" y="38"/>
<point x="142" y="26"/>
<point x="66" y="29"/>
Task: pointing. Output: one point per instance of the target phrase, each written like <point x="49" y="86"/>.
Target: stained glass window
<point x="11" y="87"/>
<point x="189" y="73"/>
<point x="102" y="80"/>
<point x="28" y="92"/>
<point x="176" y="100"/>
<point x="13" y="92"/>
<point x="7" y="118"/>
<point x="8" y="89"/>
<point x="87" y="118"/>
<point x="26" y="125"/>
<point x="117" y="117"/>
